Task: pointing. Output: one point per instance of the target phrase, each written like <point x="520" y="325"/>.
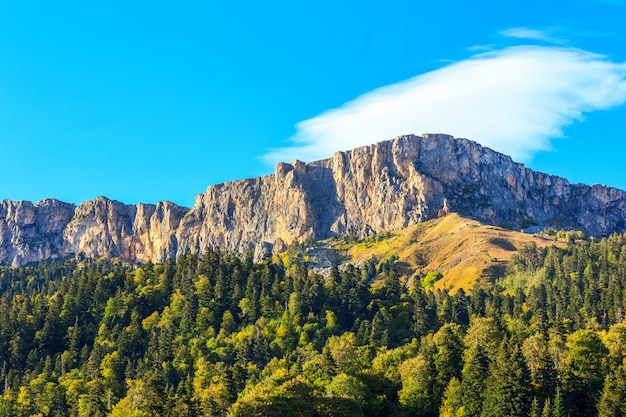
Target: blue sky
<point x="147" y="101"/>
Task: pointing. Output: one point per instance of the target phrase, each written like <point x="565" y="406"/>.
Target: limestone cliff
<point x="101" y="227"/>
<point x="386" y="186"/>
<point x="389" y="186"/>
<point x="31" y="232"/>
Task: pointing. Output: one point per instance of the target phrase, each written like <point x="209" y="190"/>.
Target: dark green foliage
<point x="613" y="401"/>
<point x="218" y="334"/>
<point x="508" y="390"/>
<point x="473" y="380"/>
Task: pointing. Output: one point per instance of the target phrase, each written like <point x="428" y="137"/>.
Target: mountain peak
<point x="382" y="187"/>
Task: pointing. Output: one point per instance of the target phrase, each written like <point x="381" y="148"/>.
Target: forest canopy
<point x="220" y="335"/>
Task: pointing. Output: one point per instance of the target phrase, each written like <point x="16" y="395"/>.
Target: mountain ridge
<point x="381" y="187"/>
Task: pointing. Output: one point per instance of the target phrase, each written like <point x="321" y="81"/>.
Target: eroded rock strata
<point x="386" y="186"/>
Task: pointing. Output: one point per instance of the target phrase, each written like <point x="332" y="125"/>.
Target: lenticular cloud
<point x="513" y="100"/>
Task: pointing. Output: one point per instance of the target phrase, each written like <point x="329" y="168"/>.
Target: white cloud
<point x="544" y="35"/>
<point x="512" y="100"/>
<point x="482" y="48"/>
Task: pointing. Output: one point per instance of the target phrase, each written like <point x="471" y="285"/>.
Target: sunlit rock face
<point x="32" y="232"/>
<point x="389" y="186"/>
<point x="382" y="187"/>
<point x="101" y="227"/>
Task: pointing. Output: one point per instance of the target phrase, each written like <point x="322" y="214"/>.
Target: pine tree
<point x="392" y="286"/>
<point x="448" y="355"/>
<point x="558" y="408"/>
<point x="547" y="408"/>
<point x="420" y="315"/>
<point x="95" y="404"/>
<point x="508" y="391"/>
<point x="452" y="404"/>
<point x="473" y="380"/>
<point x="534" y="408"/>
<point x="73" y="349"/>
<point x="613" y="400"/>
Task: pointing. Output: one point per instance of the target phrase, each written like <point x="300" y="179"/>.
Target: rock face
<point x="386" y="186"/>
<point x="30" y="232"/>
<point x="101" y="227"/>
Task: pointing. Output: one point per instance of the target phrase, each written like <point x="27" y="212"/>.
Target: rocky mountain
<point x="381" y="187"/>
<point x="101" y="227"/>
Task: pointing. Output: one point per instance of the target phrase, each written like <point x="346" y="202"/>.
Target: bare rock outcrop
<point x="383" y="187"/>
<point x="101" y="227"/>
<point x="31" y="232"/>
<point x="389" y="186"/>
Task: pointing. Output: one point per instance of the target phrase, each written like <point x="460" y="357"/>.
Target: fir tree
<point x="473" y="380"/>
<point x="558" y="408"/>
<point x="613" y="400"/>
<point x="452" y="404"/>
<point x="508" y="391"/>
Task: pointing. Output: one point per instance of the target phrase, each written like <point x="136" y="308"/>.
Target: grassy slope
<point x="464" y="250"/>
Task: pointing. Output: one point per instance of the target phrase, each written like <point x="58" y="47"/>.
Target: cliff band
<point x="382" y="187"/>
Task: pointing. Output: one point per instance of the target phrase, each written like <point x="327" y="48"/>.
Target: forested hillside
<point x="220" y="335"/>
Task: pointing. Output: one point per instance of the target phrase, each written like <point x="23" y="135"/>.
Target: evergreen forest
<point x="220" y="335"/>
